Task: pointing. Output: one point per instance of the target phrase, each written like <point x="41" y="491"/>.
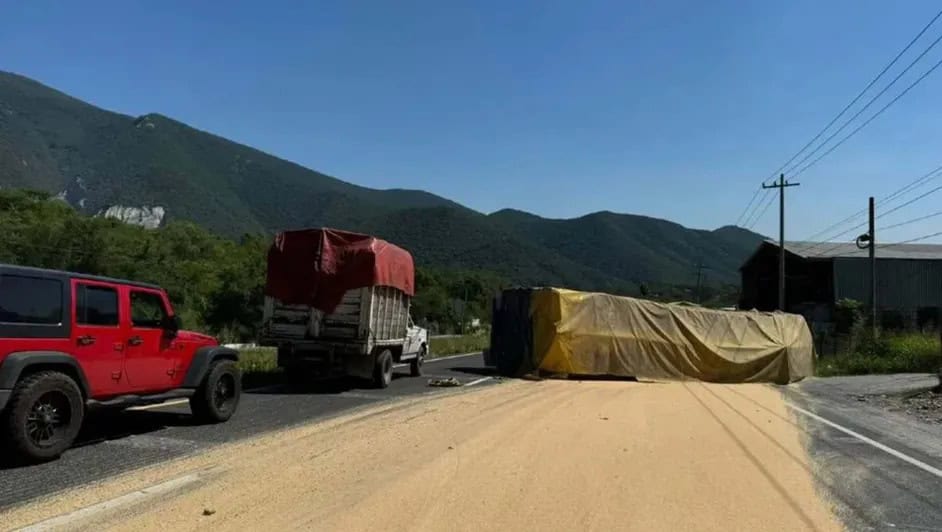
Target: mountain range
<point x="152" y="169"/>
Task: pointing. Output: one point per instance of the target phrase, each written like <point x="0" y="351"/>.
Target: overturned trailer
<point x="578" y="333"/>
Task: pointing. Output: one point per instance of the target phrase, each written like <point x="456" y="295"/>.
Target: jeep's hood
<point x="195" y="337"/>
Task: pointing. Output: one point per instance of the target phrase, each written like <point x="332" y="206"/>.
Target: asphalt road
<point x="882" y="470"/>
<point x="117" y="442"/>
<point x="872" y="488"/>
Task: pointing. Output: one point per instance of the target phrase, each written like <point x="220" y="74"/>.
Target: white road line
<point x="361" y="395"/>
<point x="441" y="359"/>
<point x="889" y="450"/>
<point x="161" y="405"/>
<point x="451" y="357"/>
<point x="478" y="381"/>
<point x="112" y="504"/>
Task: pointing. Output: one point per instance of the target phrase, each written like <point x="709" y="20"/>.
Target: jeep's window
<point x="147" y="309"/>
<point x="30" y="300"/>
<point x="96" y="305"/>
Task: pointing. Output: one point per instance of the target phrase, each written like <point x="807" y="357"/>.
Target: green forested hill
<point x="452" y="238"/>
<point x="95" y="159"/>
<point x="637" y="248"/>
<point x="53" y="142"/>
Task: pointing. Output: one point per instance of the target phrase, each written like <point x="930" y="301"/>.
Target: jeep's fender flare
<point x="16" y="363"/>
<point x="202" y="358"/>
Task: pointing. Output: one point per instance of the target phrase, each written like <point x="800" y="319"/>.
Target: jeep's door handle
<point x="135" y="340"/>
<point x="86" y="340"/>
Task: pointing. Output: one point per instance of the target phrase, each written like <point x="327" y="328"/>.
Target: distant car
<point x="69" y="341"/>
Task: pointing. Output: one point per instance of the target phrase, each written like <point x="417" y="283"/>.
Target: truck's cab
<point x="69" y="340"/>
<point x="416" y="340"/>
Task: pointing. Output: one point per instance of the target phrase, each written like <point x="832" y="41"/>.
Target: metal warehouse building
<point x="909" y="280"/>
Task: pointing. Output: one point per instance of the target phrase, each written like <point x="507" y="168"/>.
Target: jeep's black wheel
<point x="44" y="415"/>
<point x="217" y="397"/>
<point x="415" y="367"/>
<point x="382" y="373"/>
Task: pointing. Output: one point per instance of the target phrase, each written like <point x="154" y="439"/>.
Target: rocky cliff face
<point x="147" y="217"/>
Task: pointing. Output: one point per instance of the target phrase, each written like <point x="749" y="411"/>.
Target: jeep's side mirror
<point x="171" y="326"/>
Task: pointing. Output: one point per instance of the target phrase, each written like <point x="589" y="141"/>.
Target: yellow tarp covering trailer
<point x="579" y="333"/>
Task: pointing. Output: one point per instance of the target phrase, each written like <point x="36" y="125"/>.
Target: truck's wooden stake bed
<point x="365" y="332"/>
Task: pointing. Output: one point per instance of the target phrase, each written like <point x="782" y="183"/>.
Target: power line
<point x="872" y="101"/>
<point x="891" y="211"/>
<point x="843" y="112"/>
<point x="901" y="224"/>
<point x="914" y="220"/>
<point x="910" y="202"/>
<point x="860" y="95"/>
<point x="835" y="246"/>
<point x="761" y="213"/>
<point x="907" y="222"/>
<point x="916" y="183"/>
<point x="832" y="226"/>
<point x="743" y="214"/>
<point x="884" y="246"/>
<point x="911" y="240"/>
<point x="755" y="208"/>
<point x="871" y="119"/>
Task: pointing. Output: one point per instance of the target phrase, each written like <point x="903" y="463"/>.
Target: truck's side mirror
<point x="171" y="326"/>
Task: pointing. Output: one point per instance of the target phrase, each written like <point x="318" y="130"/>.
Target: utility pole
<point x="868" y="240"/>
<point x="873" y="269"/>
<point x="781" y="185"/>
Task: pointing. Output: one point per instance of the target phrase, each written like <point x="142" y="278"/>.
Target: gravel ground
<point x="925" y="406"/>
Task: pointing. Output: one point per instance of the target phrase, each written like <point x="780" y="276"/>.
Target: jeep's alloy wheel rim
<point x="224" y="392"/>
<point x="46" y="419"/>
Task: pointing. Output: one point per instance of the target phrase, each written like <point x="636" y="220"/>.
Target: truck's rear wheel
<point x="44" y="415"/>
<point x="217" y="397"/>
<point x="382" y="373"/>
<point x="415" y="367"/>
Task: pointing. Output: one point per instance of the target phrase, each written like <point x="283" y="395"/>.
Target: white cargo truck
<point x="368" y="329"/>
<point x="369" y="332"/>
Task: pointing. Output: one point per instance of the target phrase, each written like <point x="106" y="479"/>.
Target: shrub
<point x="889" y="353"/>
<point x="848" y="314"/>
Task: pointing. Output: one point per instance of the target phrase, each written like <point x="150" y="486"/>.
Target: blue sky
<point x="673" y="109"/>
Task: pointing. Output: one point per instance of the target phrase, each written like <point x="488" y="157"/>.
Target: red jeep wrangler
<point x="69" y="341"/>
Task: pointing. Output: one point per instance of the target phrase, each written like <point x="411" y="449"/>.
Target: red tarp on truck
<point x="317" y="266"/>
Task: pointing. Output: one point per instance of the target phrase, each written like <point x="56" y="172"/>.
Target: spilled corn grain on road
<point x="551" y="455"/>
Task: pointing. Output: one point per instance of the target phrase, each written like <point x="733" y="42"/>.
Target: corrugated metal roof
<point x="830" y="250"/>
